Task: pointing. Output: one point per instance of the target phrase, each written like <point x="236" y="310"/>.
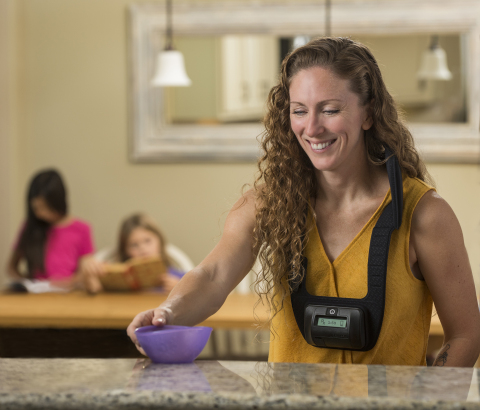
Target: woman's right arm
<point x="203" y="290"/>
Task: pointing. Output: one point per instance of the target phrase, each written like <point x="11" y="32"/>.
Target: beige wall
<point x="8" y="101"/>
<point x="72" y="114"/>
<point x="197" y="102"/>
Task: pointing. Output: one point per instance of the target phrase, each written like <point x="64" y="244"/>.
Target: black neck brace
<point x="307" y="308"/>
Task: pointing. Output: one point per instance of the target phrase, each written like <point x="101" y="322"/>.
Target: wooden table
<point x="116" y="310"/>
<point x="81" y="325"/>
<point x="109" y="310"/>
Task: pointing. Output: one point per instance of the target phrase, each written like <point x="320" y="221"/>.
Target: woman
<point x="53" y="244"/>
<point x="322" y="187"/>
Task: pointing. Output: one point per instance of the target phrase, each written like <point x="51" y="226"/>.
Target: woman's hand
<point x="203" y="290"/>
<point x="159" y="317"/>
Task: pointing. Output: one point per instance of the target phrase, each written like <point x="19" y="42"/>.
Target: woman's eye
<point x="299" y="112"/>
<point x="330" y="112"/>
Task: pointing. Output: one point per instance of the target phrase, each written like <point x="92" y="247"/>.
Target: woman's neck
<point x="355" y="181"/>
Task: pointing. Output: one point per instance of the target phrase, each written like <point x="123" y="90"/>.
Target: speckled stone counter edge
<point x="199" y="401"/>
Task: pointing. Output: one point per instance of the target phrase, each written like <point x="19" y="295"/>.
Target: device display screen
<point x="332" y="322"/>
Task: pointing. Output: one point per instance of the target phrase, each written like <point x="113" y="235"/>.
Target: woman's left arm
<point x="443" y="262"/>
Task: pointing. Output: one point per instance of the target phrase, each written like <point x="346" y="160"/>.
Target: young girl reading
<point x="51" y="242"/>
<point x="140" y="239"/>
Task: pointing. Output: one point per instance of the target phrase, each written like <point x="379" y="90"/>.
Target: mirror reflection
<point x="232" y="75"/>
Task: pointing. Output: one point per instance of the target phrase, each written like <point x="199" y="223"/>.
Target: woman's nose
<point x="314" y="126"/>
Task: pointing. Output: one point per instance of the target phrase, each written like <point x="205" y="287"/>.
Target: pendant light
<point x="434" y="63"/>
<point x="299" y="41"/>
<point x="170" y="69"/>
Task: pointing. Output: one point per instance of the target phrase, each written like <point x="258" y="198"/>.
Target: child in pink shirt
<point x="66" y="245"/>
<point x="52" y="243"/>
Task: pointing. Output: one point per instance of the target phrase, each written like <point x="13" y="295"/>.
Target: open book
<point x="35" y="286"/>
<point x="134" y="274"/>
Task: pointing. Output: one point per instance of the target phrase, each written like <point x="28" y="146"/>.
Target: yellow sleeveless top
<point x="408" y="303"/>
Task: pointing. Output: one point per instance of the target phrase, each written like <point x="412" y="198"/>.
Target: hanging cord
<point x="328" y="18"/>
<point x="169" y="43"/>
<point x="434" y="43"/>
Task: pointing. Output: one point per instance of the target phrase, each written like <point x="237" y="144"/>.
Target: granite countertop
<point x="140" y="384"/>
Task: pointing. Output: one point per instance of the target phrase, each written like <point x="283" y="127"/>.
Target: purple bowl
<point x="173" y="344"/>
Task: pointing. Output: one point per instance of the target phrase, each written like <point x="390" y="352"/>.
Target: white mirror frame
<point x="152" y="140"/>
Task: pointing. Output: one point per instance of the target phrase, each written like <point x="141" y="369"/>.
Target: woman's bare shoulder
<point x="437" y="239"/>
<point x="433" y="215"/>
<point x="243" y="211"/>
<point x="250" y="199"/>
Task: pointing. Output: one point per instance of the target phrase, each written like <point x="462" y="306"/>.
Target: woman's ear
<point x="367" y="124"/>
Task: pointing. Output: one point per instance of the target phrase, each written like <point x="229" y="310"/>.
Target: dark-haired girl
<point x="51" y="242"/>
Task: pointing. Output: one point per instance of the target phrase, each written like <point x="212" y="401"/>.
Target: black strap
<point x="396" y="186"/>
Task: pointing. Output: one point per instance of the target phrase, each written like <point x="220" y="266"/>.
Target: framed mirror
<point x="233" y="51"/>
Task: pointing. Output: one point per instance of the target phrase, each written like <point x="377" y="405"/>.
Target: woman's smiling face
<point x="327" y="118"/>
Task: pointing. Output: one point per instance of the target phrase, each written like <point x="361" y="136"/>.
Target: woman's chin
<point x="323" y="164"/>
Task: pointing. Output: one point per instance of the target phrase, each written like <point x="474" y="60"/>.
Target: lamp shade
<point x="170" y="70"/>
<point x="434" y="65"/>
<point x="299" y="41"/>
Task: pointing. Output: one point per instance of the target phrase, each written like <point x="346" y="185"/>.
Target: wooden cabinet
<point x="249" y="67"/>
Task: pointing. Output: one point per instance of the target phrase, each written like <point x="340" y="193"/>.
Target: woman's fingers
<point x="139" y="348"/>
<point x="142" y="319"/>
<point x="162" y="316"/>
<point x="157" y="317"/>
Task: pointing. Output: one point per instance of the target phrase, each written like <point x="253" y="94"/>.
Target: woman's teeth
<point x="322" y="145"/>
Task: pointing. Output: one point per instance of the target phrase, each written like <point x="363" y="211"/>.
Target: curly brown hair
<point x="286" y="185"/>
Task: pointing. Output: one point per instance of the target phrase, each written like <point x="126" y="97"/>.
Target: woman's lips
<point x="321" y="146"/>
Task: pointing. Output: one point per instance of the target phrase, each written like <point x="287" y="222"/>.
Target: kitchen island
<point x="139" y="384"/>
